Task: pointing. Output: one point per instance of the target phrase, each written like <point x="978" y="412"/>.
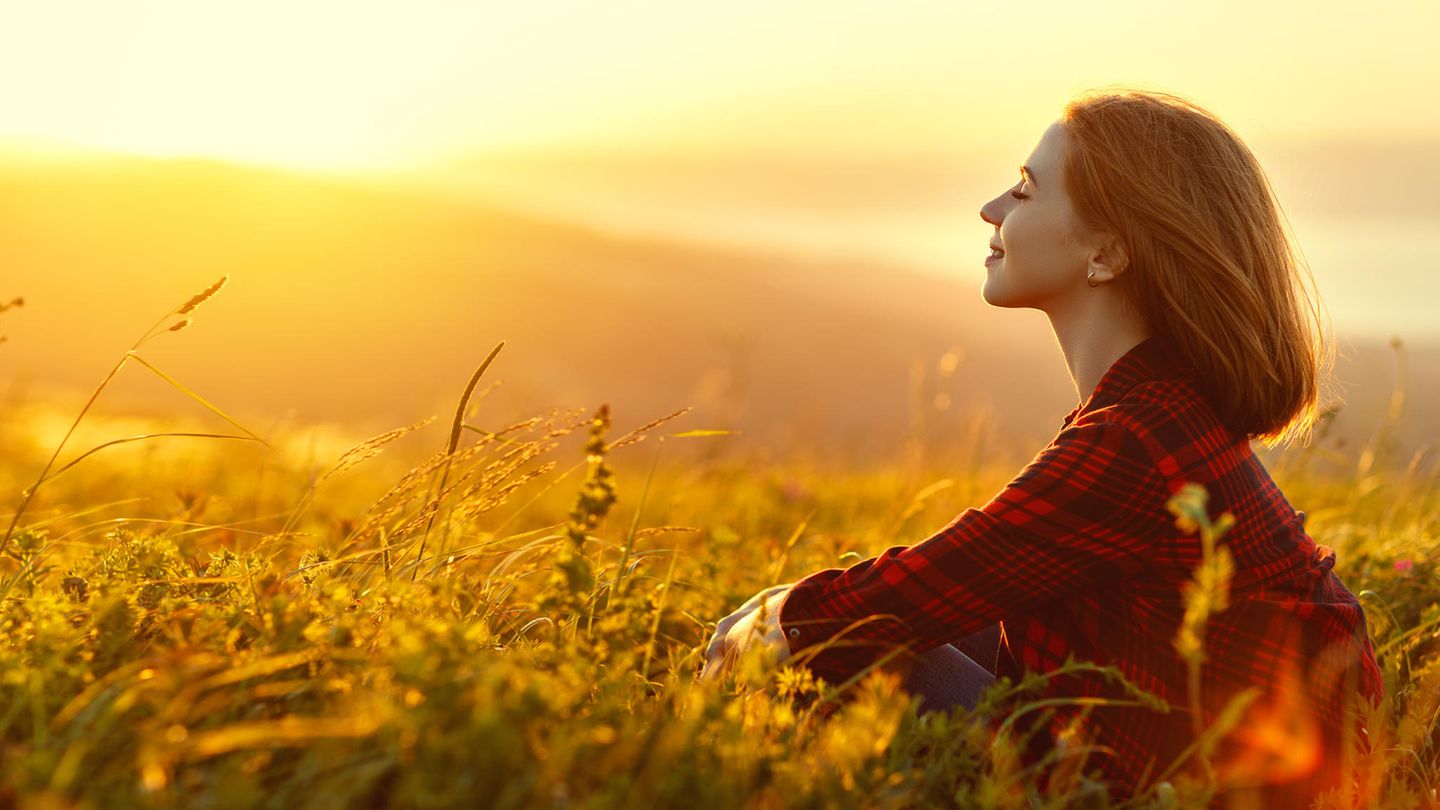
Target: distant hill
<point x="367" y="304"/>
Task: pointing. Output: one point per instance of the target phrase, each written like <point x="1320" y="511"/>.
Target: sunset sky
<point x="332" y="84"/>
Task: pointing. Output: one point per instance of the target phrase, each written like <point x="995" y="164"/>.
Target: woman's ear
<point x="1108" y="260"/>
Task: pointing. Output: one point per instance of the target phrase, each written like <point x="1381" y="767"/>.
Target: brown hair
<point x="1212" y="271"/>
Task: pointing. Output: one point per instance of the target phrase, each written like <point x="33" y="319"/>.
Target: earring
<point x="1090" y="278"/>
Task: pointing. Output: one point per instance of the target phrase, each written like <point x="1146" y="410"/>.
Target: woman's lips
<point x="991" y="257"/>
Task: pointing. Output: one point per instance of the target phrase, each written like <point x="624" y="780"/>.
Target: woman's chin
<point x="993" y="294"/>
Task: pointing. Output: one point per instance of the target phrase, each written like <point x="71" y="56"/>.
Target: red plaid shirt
<point x="1078" y="556"/>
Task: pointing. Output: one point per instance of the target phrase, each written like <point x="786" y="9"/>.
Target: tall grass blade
<point x="454" y="442"/>
<point x="203" y="401"/>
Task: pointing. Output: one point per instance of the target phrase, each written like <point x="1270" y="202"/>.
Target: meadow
<point x="201" y="613"/>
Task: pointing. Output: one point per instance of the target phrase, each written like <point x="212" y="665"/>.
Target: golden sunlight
<point x="330" y="84"/>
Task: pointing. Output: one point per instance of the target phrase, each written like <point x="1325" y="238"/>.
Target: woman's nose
<point x="992" y="212"/>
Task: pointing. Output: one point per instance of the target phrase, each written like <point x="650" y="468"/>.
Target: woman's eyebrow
<point x="1025" y="172"/>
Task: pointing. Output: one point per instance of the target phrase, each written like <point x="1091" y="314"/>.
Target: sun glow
<point x="336" y="84"/>
<point x="309" y="84"/>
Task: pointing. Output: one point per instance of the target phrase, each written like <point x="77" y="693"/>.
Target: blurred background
<point x="766" y="211"/>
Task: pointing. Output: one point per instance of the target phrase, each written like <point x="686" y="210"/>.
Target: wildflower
<point x="1188" y="507"/>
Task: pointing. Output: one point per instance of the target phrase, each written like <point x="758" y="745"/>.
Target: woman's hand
<point x="757" y="621"/>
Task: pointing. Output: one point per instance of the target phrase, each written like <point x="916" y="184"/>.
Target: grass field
<point x="470" y="614"/>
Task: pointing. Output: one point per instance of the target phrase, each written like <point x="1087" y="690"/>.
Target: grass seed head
<point x="202" y="297"/>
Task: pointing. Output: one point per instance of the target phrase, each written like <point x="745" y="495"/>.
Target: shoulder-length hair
<point x="1212" y="271"/>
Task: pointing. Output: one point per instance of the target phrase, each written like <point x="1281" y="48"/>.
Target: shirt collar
<point x="1150" y="359"/>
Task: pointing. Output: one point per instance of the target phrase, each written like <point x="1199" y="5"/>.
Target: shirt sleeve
<point x="1086" y="512"/>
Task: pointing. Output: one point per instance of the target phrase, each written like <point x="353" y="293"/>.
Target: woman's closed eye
<point x="1017" y="195"/>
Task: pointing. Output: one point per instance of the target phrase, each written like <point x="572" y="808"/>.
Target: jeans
<point x="955" y="674"/>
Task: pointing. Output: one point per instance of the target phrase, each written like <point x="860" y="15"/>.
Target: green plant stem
<point x="635" y="524"/>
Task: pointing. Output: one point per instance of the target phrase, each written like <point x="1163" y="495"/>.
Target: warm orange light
<point x="1279" y="740"/>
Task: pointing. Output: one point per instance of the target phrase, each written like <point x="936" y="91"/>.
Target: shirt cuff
<point x="810" y="633"/>
<point x="795" y="626"/>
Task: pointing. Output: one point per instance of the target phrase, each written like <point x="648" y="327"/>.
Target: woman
<point x="1149" y="235"/>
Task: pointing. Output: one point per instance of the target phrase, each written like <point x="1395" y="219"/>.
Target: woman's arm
<point x="1086" y="513"/>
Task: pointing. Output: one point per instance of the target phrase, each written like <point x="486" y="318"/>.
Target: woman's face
<point x="1044" y="260"/>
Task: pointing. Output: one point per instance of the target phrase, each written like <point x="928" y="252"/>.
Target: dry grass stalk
<point x="398" y="497"/>
<point x="654" y="530"/>
<point x="499" y="470"/>
<point x="638" y="434"/>
<point x="370" y="447"/>
<point x="500" y="434"/>
<point x="407" y="487"/>
<point x="470" y="509"/>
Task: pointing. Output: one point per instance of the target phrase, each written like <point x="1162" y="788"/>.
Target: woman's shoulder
<point x="1150" y="382"/>
<point x="1166" y="396"/>
<point x="1160" y="400"/>
<point x="1173" y="412"/>
<point x="1165" y="407"/>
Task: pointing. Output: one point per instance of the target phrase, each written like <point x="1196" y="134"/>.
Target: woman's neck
<point x="1094" y="337"/>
